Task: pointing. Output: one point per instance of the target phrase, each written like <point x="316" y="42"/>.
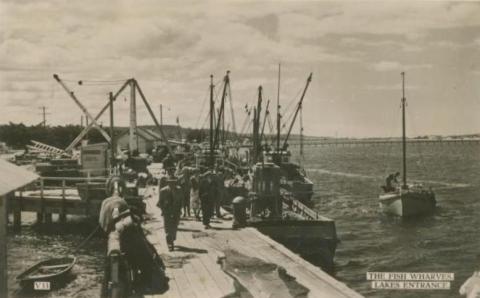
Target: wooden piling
<point x="39" y="217"/>
<point x="3" y="246"/>
<point x="47" y="218"/>
<point x="17" y="214"/>
<point x="42" y="202"/>
<point x="63" y="213"/>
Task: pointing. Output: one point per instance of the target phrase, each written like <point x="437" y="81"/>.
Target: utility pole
<point x="112" y="130"/>
<point x="44" y="113"/>
<point x="161" y="115"/>
<point x="133" y="139"/>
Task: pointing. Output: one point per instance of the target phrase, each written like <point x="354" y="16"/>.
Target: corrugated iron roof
<point x="144" y="133"/>
<point x="13" y="177"/>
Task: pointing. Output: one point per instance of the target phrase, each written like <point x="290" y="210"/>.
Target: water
<point x="347" y="182"/>
<point x="35" y="244"/>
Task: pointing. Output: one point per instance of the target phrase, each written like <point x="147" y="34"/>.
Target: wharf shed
<point x="147" y="139"/>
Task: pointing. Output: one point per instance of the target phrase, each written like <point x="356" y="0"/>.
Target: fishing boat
<point x="48" y="274"/>
<point x="274" y="206"/>
<point x="294" y="177"/>
<point x="407" y="200"/>
<point x="277" y="191"/>
<point x="285" y="219"/>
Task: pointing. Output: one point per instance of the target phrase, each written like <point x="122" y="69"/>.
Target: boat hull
<point x="314" y="240"/>
<point x="407" y="204"/>
<point x="54" y="272"/>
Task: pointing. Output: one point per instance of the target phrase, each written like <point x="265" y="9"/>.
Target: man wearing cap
<point x="170" y="202"/>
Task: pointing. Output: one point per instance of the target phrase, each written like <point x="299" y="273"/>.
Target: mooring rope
<point x="86" y="239"/>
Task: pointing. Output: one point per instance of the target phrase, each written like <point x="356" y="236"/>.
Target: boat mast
<point x="404" y="139"/>
<point x="256" y="127"/>
<point x="301" y="134"/>
<point x="264" y="122"/>
<point x="278" y="111"/>
<point x="309" y="79"/>
<point x="212" y="112"/>
<point x="221" y="113"/>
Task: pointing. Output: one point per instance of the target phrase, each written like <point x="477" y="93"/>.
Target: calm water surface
<point x="36" y="244"/>
<point x="347" y="182"/>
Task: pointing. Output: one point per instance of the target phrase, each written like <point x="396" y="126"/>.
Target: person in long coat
<point x="207" y="197"/>
<point x="170" y="202"/>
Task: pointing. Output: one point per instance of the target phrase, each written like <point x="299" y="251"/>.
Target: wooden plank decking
<point x="194" y="271"/>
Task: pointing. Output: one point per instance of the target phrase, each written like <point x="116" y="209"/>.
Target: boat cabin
<point x="277" y="156"/>
<point x="202" y="158"/>
<point x="266" y="190"/>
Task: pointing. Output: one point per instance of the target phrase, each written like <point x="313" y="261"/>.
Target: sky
<point x="355" y="50"/>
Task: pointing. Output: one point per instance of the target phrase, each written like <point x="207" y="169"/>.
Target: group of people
<point x="186" y="191"/>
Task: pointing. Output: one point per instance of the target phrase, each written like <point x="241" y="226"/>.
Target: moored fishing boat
<point x="406" y="200"/>
<point x="272" y="191"/>
<point x="278" y="215"/>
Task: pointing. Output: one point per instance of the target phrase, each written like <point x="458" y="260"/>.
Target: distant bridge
<point x="347" y="142"/>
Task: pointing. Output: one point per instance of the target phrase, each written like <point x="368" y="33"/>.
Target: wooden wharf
<point x="46" y="199"/>
<point x="194" y="269"/>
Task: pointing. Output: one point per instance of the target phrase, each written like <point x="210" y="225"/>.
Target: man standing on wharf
<point x="207" y="197"/>
<point x="170" y="202"/>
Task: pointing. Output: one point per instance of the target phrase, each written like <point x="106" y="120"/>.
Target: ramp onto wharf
<point x="195" y="266"/>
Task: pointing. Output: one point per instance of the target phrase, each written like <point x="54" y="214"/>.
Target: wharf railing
<point x="299" y="208"/>
<point x="35" y="196"/>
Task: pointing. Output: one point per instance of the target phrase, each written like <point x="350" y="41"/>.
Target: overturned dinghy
<point x="47" y="275"/>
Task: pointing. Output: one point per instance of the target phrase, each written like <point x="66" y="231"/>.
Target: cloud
<point x="407" y="47"/>
<point x="171" y="48"/>
<point x="393" y="87"/>
<point x="397" y="66"/>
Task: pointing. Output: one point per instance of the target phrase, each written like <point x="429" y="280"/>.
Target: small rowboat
<point x="47" y="274"/>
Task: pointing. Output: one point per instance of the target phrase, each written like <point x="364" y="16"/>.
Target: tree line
<point x="17" y="136"/>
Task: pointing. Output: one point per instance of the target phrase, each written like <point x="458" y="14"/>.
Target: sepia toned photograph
<point x="239" y="149"/>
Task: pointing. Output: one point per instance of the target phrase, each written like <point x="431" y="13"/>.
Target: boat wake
<point x="444" y="185"/>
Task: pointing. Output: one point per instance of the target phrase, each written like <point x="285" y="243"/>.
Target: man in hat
<point x="170" y="202"/>
<point x="169" y="164"/>
<point x="391" y="182"/>
<point x="207" y="193"/>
